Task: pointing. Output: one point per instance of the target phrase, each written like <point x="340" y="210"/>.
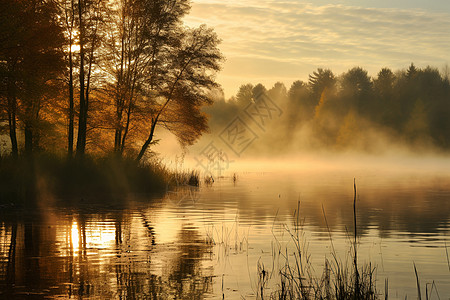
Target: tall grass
<point x="339" y="280"/>
<point x="428" y="291"/>
<point x="24" y="180"/>
<point x="298" y="280"/>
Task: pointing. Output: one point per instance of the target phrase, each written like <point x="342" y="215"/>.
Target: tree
<point x="11" y="35"/>
<point x="383" y="87"/>
<point x="221" y="111"/>
<point x="411" y="72"/>
<point x="384" y="83"/>
<point x="258" y="90"/>
<point x="9" y="100"/>
<point x="298" y="110"/>
<point x="140" y="39"/>
<point x="321" y="80"/>
<point x="278" y="93"/>
<point x="301" y="106"/>
<point x="432" y="90"/>
<point x="357" y="90"/>
<point x="68" y="12"/>
<point x="32" y="54"/>
<point x="244" y="95"/>
<point x="133" y="60"/>
<point x="296" y="90"/>
<point x="179" y="94"/>
<point x="91" y="15"/>
<point x="356" y="81"/>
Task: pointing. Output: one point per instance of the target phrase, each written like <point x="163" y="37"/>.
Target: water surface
<point x="207" y="242"/>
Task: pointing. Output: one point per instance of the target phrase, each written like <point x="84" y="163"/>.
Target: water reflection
<point x="100" y="255"/>
<point x="206" y="243"/>
<point x="412" y="203"/>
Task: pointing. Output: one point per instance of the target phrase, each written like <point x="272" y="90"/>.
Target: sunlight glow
<point x="74" y="237"/>
<point x="75" y="48"/>
<point x="97" y="237"/>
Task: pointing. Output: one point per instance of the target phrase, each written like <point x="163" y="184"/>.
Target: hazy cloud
<point x="286" y="40"/>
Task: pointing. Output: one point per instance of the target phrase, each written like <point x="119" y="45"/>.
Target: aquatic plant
<point x="298" y="280"/>
<point x="339" y="280"/>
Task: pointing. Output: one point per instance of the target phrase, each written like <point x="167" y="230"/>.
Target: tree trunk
<point x="12" y="133"/>
<point x="119" y="113"/>
<point x="12" y="107"/>
<point x="117" y="139"/>
<point x="129" y="110"/>
<point x="70" y="21"/>
<point x="119" y="90"/>
<point x="71" y="104"/>
<point x="148" y="141"/>
<point x="82" y="118"/>
<point x="155" y="120"/>
<point x="84" y="89"/>
<point x="127" y="127"/>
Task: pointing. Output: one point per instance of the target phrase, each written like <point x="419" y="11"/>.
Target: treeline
<point x="353" y="110"/>
<point x="100" y="76"/>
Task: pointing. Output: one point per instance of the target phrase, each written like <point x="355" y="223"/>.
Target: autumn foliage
<point x="102" y="76"/>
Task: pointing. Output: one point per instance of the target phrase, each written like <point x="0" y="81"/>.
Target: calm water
<point x="207" y="242"/>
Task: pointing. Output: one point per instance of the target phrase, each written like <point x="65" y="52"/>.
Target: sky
<point x="265" y="41"/>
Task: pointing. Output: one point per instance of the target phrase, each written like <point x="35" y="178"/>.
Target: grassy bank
<point x="25" y="180"/>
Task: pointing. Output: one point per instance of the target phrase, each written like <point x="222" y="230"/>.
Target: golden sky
<point x="268" y="41"/>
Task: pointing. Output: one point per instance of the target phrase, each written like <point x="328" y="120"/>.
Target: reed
<point x="428" y="292"/>
<point x="298" y="280"/>
<point x="419" y="294"/>
<point x="338" y="280"/>
<point x="446" y="252"/>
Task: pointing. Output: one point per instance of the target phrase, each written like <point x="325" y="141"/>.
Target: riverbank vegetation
<point x="86" y="86"/>
<point x="40" y="179"/>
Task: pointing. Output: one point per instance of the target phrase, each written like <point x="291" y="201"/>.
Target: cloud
<point x="286" y="35"/>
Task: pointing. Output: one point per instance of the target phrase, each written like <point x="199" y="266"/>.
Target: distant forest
<point x="409" y="107"/>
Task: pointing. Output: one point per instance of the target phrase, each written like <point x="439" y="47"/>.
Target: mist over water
<point x="402" y="202"/>
<point x="206" y="242"/>
<point x="125" y="172"/>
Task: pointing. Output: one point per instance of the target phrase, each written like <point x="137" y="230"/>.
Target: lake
<point x="207" y="242"/>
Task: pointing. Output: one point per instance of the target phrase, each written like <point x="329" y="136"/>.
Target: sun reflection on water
<point x="96" y="235"/>
<point x="74" y="238"/>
